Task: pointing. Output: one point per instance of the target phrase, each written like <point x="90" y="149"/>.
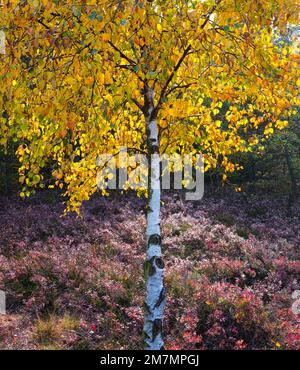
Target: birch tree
<point x="84" y="78"/>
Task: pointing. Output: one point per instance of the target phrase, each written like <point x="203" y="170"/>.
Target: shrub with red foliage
<point x="231" y="269"/>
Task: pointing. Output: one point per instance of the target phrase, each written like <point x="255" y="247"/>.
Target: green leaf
<point x="93" y="15"/>
<point x="76" y="11"/>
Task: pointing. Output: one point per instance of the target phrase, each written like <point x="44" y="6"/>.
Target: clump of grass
<point x="69" y="322"/>
<point x="48" y="331"/>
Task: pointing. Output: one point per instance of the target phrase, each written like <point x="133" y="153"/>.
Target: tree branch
<point x="124" y="56"/>
<point x="164" y="89"/>
<point x="210" y="13"/>
<point x="137" y="104"/>
<point x="179" y="87"/>
<point x="40" y="21"/>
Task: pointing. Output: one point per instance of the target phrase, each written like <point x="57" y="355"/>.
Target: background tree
<point x="82" y="79"/>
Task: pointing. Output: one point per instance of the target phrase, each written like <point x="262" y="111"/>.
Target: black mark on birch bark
<point x="159" y="263"/>
<point x="154" y="239"/>
<point x="161" y="298"/>
<point x="157" y="328"/>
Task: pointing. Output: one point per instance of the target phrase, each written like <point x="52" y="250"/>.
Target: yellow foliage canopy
<point x="73" y="78"/>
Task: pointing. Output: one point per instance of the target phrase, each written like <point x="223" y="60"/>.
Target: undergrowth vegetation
<point x="76" y="283"/>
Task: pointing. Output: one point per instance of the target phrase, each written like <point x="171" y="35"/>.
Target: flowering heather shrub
<point x="77" y="283"/>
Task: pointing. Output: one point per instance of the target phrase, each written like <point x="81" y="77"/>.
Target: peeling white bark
<point x="154" y="266"/>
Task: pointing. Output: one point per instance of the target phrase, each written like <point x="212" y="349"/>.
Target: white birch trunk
<point x="154" y="265"/>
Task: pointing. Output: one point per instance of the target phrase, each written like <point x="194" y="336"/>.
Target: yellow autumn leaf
<point x="159" y="27"/>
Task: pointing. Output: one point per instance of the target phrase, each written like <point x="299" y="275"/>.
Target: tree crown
<point x="74" y="79"/>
